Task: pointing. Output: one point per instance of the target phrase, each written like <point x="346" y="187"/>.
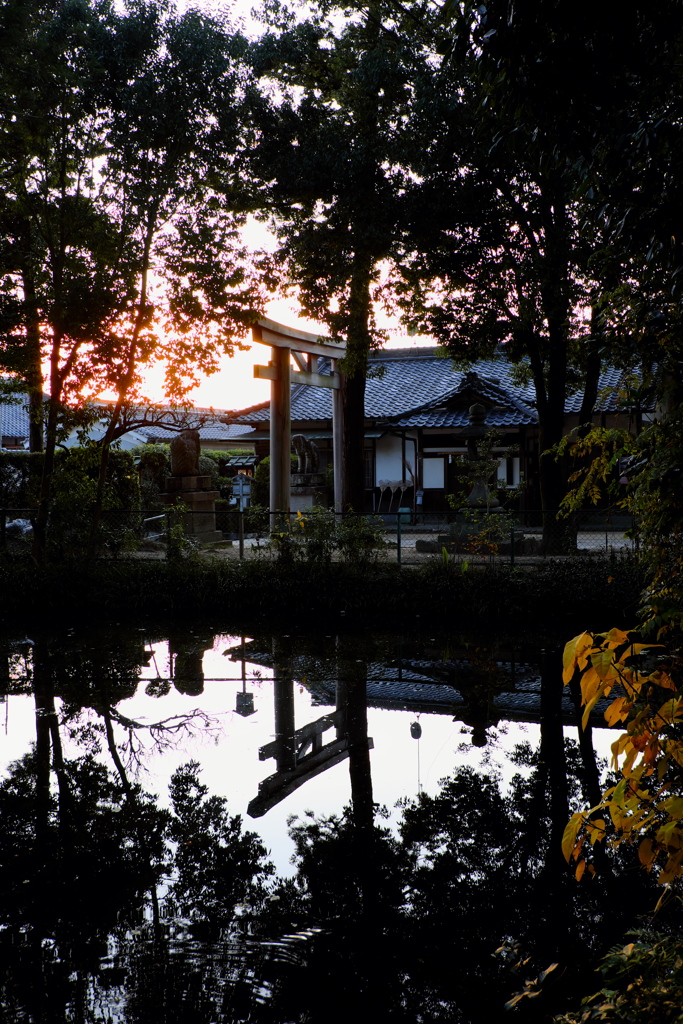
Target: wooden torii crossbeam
<point x="286" y="344"/>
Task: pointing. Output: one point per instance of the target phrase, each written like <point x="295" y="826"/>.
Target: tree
<point x="112" y="158"/>
<point x="511" y="238"/>
<point x="328" y="153"/>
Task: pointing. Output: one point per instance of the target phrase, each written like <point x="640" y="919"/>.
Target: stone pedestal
<point x="307" y="490"/>
<point x="463" y="530"/>
<point x="196" y="493"/>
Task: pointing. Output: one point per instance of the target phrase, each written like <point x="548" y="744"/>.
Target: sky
<point x="234" y="386"/>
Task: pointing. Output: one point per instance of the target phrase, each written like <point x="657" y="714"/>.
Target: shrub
<point x="260" y="494"/>
<point x="154" y="465"/>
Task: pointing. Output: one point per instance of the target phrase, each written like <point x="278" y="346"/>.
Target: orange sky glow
<point x="233" y="386"/>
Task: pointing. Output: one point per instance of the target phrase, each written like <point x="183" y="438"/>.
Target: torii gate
<point x="287" y="343"/>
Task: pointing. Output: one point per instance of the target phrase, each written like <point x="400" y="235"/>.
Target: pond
<point x="202" y="826"/>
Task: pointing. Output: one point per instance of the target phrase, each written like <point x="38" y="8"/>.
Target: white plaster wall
<point x="502" y="472"/>
<point x="388" y="465"/>
<point x="433" y="472"/>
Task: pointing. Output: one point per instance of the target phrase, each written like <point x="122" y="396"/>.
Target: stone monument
<point x="187" y="486"/>
<point x="308" y="485"/>
<point x="481" y="471"/>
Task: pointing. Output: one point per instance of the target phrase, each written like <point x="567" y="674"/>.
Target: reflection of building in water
<point x="475" y="692"/>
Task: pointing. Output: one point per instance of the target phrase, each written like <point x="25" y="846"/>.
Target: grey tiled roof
<point x="215" y="431"/>
<point x="454" y="419"/>
<point x="415" y="387"/>
<point x="15" y="423"/>
<point x="15" y="420"/>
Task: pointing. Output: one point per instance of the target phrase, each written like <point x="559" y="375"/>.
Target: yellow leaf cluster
<point x="637" y="672"/>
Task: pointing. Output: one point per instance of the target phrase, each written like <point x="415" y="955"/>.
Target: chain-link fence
<point x="409" y="538"/>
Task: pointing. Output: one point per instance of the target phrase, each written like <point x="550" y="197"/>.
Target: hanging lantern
<point x="245" y="704"/>
<point x="415" y="730"/>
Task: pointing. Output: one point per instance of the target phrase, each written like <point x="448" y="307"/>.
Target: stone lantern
<point x="480" y="496"/>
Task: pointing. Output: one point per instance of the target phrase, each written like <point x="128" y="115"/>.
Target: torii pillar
<point x="286" y="344"/>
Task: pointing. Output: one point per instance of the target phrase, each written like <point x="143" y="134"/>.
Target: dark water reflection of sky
<point x="226" y="744"/>
<point x="135" y="908"/>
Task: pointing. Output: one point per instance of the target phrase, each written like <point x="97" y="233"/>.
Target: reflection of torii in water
<point x="300" y="754"/>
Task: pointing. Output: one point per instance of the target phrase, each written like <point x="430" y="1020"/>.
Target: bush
<point x="360" y="539"/>
<point x="74" y="490"/>
<point x="209" y="466"/>
<point x="20" y="474"/>
<point x="260" y="492"/>
<point x="153" y="462"/>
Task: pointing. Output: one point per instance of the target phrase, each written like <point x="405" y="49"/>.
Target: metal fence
<point x="409" y="538"/>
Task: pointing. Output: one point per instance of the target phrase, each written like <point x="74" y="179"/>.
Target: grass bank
<point x="589" y="594"/>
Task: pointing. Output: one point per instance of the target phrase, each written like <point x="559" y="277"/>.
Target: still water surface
<point x="211" y="827"/>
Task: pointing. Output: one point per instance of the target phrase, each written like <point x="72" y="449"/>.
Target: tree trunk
<point x="590" y="774"/>
<point x="550" y="392"/>
<point x="34" y="369"/>
<point x="353" y="441"/>
<point x="592" y="382"/>
<point x="557" y="923"/>
<point x="359" y="752"/>
<point x="557" y="534"/>
<point x="41" y="521"/>
<point x="355" y="367"/>
<point x="42" y="755"/>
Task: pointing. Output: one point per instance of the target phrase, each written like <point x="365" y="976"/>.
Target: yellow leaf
<point x="618" y="710"/>
<point x="632" y="752"/>
<point x="580" y="868"/>
<point x="596" y="830"/>
<point x="634" y="649"/>
<point x="664" y="680"/>
<point x="603" y="663"/>
<point x="570" y="833"/>
<point x="588" y="708"/>
<point x="672" y="868"/>
<point x="672" y="710"/>
<point x="674" y="806"/>
<point x="615" y="638"/>
<point x="574" y="653"/>
<point x="590" y="683"/>
<point x="666" y="833"/>
<point x="647" y="853"/>
<point x="646" y="822"/>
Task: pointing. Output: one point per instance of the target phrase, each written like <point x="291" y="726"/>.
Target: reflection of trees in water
<point x="77" y="927"/>
<point x="386" y="926"/>
<point x="376" y="924"/>
<point x="410" y="925"/>
<point x="71" y="868"/>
